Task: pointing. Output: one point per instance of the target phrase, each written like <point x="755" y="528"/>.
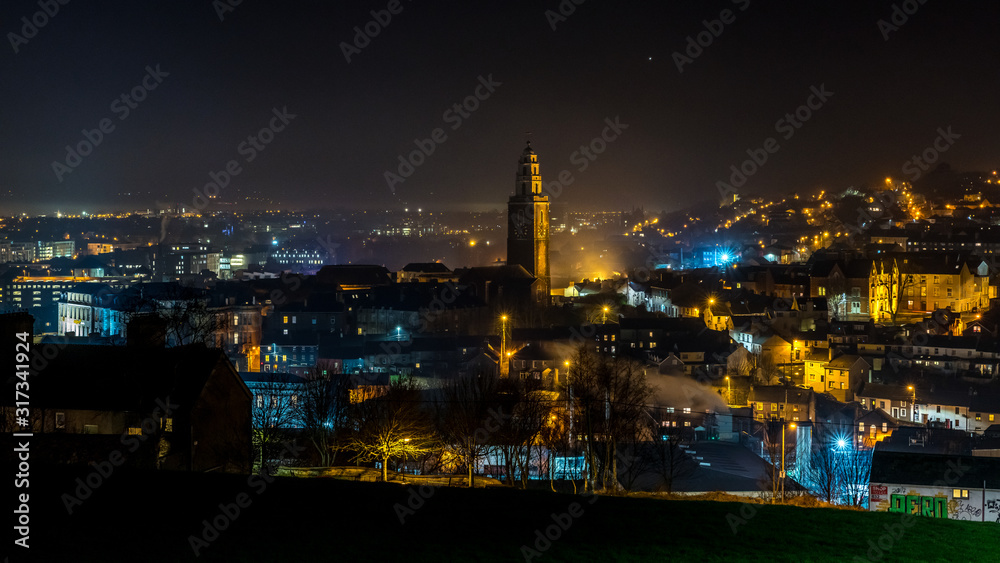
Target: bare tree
<point x="391" y="426"/>
<point x="854" y="468"/>
<point x="322" y="410"/>
<point x="554" y="435"/>
<point x="462" y="415"/>
<point x="273" y="413"/>
<point x="614" y="394"/>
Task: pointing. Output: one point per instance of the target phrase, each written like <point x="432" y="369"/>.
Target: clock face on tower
<point x="521" y="226"/>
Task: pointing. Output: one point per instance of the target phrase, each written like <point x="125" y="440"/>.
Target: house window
<point x="861" y="427"/>
<point x="260" y="400"/>
<point x="670" y="410"/>
<point x="960" y="493"/>
<point x="236" y="320"/>
<point x="687" y="410"/>
<point x="856" y="307"/>
<point x="168" y="425"/>
<point x="60" y="420"/>
<point x="822" y="291"/>
<point x="956" y="410"/>
<point x="687" y="423"/>
<point x="902" y="413"/>
<point x="979" y="416"/>
<point x="881" y="404"/>
<point x="132" y="430"/>
<point x="285" y="319"/>
<point x="939" y="408"/>
<point x="885" y="427"/>
<point x="774" y="406"/>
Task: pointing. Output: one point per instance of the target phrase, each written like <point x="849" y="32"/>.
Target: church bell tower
<point x="528" y="224"/>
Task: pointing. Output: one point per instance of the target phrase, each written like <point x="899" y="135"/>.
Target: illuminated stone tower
<point x="528" y="224"/>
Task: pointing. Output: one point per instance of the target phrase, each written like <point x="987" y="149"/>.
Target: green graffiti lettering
<point x="930" y="507"/>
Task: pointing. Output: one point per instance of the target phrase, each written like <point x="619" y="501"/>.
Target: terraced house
<point x="928" y="283"/>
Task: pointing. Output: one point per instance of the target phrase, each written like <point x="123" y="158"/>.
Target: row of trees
<point x="600" y="415"/>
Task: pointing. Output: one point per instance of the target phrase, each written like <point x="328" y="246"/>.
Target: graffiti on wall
<point x="931" y="507"/>
<point x="993" y="509"/>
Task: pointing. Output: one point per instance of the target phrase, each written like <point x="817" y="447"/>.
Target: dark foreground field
<point x="154" y="516"/>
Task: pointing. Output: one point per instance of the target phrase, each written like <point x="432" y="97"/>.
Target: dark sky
<point x="353" y="120"/>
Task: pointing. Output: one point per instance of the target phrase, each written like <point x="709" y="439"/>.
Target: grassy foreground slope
<point x="152" y="517"/>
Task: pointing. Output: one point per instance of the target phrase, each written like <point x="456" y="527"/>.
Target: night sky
<point x="353" y="120"/>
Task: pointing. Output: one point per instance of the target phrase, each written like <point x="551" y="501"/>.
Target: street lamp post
<point x="569" y="387"/>
<point x="504" y="356"/>
<point x="791" y="426"/>
<point x="604" y="318"/>
<point x="729" y="391"/>
<point x="913" y="402"/>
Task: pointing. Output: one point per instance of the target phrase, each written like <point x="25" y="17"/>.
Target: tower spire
<point x="528" y="224"/>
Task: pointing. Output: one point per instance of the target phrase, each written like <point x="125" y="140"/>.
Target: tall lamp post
<point x="913" y="402"/>
<point x="569" y="387"/>
<point x="791" y="427"/>
<point x="604" y="317"/>
<point x="504" y="356"/>
<point x="729" y="391"/>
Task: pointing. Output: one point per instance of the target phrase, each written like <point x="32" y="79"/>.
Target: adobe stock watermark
<point x="363" y="35"/>
<point x="420" y="495"/>
<point x="900" y="15"/>
<point x="121" y="106"/>
<point x="918" y="164"/>
<point x="566" y="8"/>
<point x="223" y="7"/>
<point x="456" y="116"/>
<point x="229" y="512"/>
<point x="747" y="511"/>
<point x="31" y="26"/>
<point x="586" y="154"/>
<point x="249" y="149"/>
<point x="786" y="126"/>
<point x="696" y="44"/>
<point x="561" y="523"/>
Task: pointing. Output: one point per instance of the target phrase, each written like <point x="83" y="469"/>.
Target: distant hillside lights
<point x="121" y="106"/>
